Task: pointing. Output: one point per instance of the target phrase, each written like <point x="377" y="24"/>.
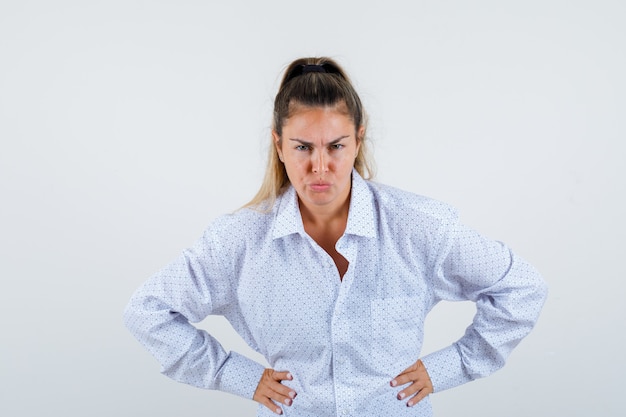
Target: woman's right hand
<point x="271" y="390"/>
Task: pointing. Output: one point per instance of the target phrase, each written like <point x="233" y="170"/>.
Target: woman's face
<point x="318" y="147"/>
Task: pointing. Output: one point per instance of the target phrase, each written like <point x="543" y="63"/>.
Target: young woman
<point x="330" y="276"/>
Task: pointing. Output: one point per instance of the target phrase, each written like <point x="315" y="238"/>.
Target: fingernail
<point x="288" y="401"/>
<point x="289" y="376"/>
<point x="393" y="382"/>
<point x="409" y="404"/>
<point x="279" y="411"/>
<point x="401" y="395"/>
<point x="292" y="394"/>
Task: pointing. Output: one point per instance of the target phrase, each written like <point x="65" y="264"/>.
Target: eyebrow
<point x="304" y="142"/>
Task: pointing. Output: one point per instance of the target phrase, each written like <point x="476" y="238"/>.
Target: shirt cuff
<point x="445" y="368"/>
<point x="239" y="375"/>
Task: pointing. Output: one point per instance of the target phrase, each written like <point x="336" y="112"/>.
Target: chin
<point x="319" y="200"/>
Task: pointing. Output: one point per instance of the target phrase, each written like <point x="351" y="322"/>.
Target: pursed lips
<point x="320" y="186"/>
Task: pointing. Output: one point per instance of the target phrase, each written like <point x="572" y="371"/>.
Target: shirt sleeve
<point x="187" y="290"/>
<point x="508" y="292"/>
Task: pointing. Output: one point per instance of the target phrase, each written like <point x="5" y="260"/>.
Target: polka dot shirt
<point x="343" y="340"/>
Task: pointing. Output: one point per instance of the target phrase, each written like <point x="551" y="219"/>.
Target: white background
<point x="127" y="126"/>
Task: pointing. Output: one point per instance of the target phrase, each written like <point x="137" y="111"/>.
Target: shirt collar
<point x="361" y="217"/>
<point x="288" y="219"/>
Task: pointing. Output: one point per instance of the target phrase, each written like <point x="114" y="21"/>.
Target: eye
<point x="302" y="148"/>
<point x="337" y="146"/>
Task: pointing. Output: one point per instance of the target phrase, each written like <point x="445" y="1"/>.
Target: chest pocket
<point x="397" y="330"/>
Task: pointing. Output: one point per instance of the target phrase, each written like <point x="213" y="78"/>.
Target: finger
<point x="281" y="375"/>
<point x="281" y="393"/>
<point x="270" y="398"/>
<point x="274" y="397"/>
<point x="404" y="378"/>
<point x="417" y="381"/>
<point x="408" y="375"/>
<point x="270" y="404"/>
<point x="421" y="394"/>
<point x="420" y="383"/>
<point x="270" y="389"/>
<point x="413" y="388"/>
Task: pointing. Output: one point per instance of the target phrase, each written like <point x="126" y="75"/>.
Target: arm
<point x="509" y="294"/>
<point x="160" y="311"/>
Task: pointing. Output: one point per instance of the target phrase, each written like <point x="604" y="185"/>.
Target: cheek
<point x="297" y="161"/>
<point x="345" y="160"/>
<point x="296" y="166"/>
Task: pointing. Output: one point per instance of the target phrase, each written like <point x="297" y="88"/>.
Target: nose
<point x="320" y="163"/>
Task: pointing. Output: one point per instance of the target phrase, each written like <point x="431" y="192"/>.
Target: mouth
<point x="320" y="186"/>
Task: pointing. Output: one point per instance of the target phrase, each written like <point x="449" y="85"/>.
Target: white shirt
<point x="342" y="340"/>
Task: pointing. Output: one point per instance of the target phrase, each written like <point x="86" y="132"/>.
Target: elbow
<point x="533" y="288"/>
<point x="535" y="298"/>
<point x="543" y="290"/>
<point x="132" y="314"/>
<point x="129" y="315"/>
<point x="540" y="289"/>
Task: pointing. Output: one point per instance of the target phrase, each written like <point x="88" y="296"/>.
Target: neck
<point x="324" y="216"/>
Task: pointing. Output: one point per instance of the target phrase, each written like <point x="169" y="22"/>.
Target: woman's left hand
<point x="421" y="384"/>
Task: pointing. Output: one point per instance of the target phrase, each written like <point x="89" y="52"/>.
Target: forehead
<point x="295" y="107"/>
<point x="319" y="118"/>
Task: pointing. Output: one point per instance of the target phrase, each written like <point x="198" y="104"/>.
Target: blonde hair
<point x="311" y="82"/>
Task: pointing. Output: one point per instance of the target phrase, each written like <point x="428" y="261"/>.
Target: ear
<point x="360" y="134"/>
<point x="277" y="144"/>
